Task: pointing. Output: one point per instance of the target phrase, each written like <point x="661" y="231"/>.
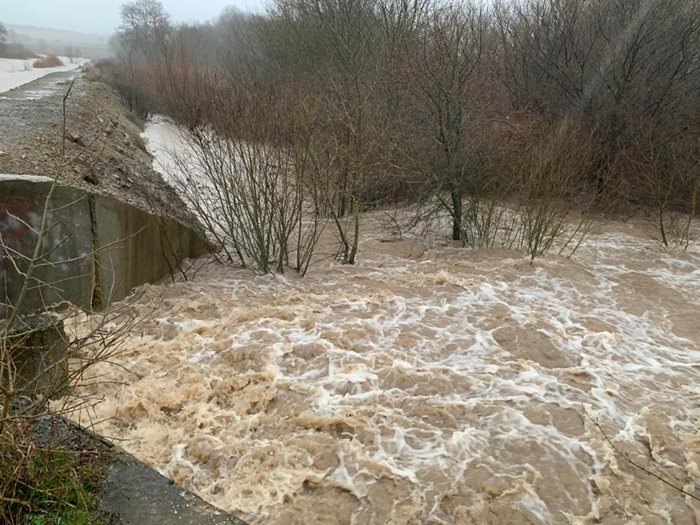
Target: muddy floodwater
<point x="425" y="385"/>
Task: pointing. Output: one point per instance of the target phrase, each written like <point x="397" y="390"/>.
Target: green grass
<point x="64" y="490"/>
<point x="55" y="487"/>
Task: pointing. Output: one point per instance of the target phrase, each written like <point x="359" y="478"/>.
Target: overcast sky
<point x="102" y="16"/>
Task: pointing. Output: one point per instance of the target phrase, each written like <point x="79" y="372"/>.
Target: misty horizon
<point x="103" y="18"/>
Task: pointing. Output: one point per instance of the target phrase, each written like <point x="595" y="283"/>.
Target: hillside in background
<point x="57" y="41"/>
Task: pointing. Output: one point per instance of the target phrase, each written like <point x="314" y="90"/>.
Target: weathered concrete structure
<point x="95" y="249"/>
<point x="113" y="224"/>
<point x="37" y="347"/>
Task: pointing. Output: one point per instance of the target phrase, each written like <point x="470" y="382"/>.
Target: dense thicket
<point x="581" y="102"/>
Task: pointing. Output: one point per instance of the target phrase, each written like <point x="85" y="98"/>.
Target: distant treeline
<point x="591" y="102"/>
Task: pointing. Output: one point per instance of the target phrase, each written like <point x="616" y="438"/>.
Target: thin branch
<point x="626" y="457"/>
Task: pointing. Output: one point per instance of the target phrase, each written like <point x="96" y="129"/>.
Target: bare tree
<point x="343" y="39"/>
<point x="145" y="28"/>
<point x="248" y="184"/>
<point x="447" y="69"/>
<point x="614" y="65"/>
<point x="140" y="44"/>
<point x="418" y="100"/>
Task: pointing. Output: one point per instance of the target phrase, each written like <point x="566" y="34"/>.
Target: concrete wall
<point x="37" y="346"/>
<point x="97" y="250"/>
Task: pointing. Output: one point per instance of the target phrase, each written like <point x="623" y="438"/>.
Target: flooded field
<point x="426" y="385"/>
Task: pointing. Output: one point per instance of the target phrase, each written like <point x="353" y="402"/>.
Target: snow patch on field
<point x="15" y="73"/>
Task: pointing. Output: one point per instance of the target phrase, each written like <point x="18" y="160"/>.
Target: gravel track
<point x="102" y="134"/>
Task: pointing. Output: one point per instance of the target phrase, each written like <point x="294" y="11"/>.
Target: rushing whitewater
<point x="428" y="384"/>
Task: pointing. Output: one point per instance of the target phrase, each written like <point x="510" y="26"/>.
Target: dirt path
<point x="114" y="160"/>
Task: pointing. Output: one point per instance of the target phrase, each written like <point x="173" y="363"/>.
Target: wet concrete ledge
<point x="97" y="249"/>
<point x="131" y="493"/>
<point x="138" y="495"/>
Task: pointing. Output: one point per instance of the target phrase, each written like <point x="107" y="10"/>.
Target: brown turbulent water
<point x="426" y="385"/>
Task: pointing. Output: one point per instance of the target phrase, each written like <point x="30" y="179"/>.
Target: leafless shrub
<point x="553" y="187"/>
<point x="252" y="191"/>
<point x="540" y="208"/>
<point x="336" y="189"/>
<point x="48" y="61"/>
<point x="668" y="185"/>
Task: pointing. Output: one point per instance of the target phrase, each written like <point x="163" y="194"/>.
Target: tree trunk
<point x="456" y="194"/>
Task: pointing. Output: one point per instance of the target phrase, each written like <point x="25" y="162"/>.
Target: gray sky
<point x="102" y="16"/>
